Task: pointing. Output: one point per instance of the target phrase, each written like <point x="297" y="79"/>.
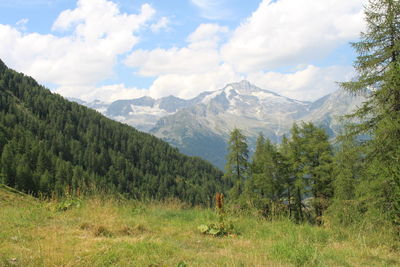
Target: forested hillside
<point x="48" y="144"/>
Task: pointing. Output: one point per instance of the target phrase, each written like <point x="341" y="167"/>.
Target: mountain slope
<point x="251" y="109"/>
<point x="201" y="126"/>
<point x="327" y="110"/>
<point x="144" y="112"/>
<point x="50" y="144"/>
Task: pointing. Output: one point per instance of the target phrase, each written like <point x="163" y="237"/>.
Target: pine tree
<point x="378" y="69"/>
<point x="237" y="161"/>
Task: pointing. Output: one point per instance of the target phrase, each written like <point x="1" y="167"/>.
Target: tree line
<point x="294" y="178"/>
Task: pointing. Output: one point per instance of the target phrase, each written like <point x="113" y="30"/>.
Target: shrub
<point x="223" y="227"/>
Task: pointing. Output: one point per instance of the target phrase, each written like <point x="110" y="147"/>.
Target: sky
<point x="122" y="49"/>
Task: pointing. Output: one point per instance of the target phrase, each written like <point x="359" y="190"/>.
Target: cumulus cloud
<point x="207" y="35"/>
<point x="309" y="83"/>
<point x="107" y="93"/>
<point x="88" y="40"/>
<point x="290" y="32"/>
<point x="190" y="85"/>
<point x="94" y="34"/>
<point x="199" y="56"/>
<point x="162" y="23"/>
<point x="279" y="33"/>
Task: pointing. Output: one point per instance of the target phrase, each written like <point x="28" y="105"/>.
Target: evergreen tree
<point x="378" y="69"/>
<point x="266" y="183"/>
<point x="298" y="182"/>
<point x="288" y="174"/>
<point x="237" y="161"/>
<point x="8" y="164"/>
<point x="23" y="177"/>
<point x="310" y="156"/>
<point x="349" y="169"/>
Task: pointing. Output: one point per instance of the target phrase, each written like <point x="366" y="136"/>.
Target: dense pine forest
<point x="49" y="145"/>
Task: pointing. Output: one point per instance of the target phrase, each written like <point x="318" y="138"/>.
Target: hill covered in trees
<point x="50" y="145"/>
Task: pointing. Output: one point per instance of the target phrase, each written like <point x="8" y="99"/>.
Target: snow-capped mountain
<point x="143" y="113"/>
<point x="201" y="126"/>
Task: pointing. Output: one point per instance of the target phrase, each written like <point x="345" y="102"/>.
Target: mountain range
<point x="201" y="126"/>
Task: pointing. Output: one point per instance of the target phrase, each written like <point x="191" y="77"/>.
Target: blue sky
<point x="118" y="49"/>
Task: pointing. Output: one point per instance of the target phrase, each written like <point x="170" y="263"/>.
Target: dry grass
<point x="115" y="233"/>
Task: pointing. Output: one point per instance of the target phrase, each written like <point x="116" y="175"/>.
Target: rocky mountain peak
<point x="201" y="126"/>
<point x="243" y="87"/>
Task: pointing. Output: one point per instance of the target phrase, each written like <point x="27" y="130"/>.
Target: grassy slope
<point x="9" y="194"/>
<point x="115" y="233"/>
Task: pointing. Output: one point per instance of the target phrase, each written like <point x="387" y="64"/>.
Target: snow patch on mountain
<point x="201" y="126"/>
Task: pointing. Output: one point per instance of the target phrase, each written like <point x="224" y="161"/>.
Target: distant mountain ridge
<point x="200" y="126"/>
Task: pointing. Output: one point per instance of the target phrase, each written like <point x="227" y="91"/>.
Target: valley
<point x="191" y="125"/>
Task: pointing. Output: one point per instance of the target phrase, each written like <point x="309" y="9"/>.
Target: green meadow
<point x="98" y="231"/>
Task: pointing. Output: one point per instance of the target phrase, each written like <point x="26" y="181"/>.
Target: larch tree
<point x="348" y="170"/>
<point x="310" y="155"/>
<point x="378" y="71"/>
<point x="237" y="161"/>
<point x="265" y="184"/>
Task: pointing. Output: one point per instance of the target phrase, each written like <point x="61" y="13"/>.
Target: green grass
<point x="108" y="232"/>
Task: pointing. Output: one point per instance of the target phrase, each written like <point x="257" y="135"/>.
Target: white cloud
<point x="190" y="85"/>
<point x="207" y="35"/>
<point x="95" y="33"/>
<point x="309" y="83"/>
<point x="162" y="23"/>
<point x="290" y="32"/>
<point x="173" y="61"/>
<point x="213" y="9"/>
<point x="21" y="24"/>
<point x="283" y="33"/>
<point x="107" y="93"/>
<point x="185" y="72"/>
<point x="198" y="57"/>
<point x="89" y="39"/>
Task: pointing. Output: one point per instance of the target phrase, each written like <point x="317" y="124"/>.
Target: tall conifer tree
<point x="378" y="69"/>
<point x="310" y="156"/>
<point x="237" y="161"/>
<point x="266" y="183"/>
